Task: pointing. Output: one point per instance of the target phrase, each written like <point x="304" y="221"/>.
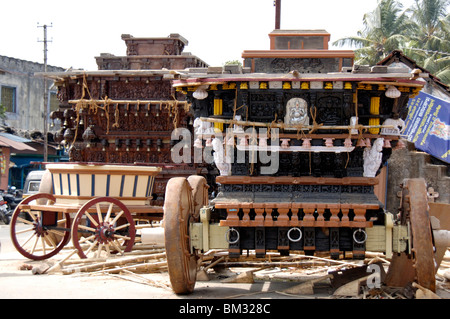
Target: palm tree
<point x="429" y="23"/>
<point x="384" y="30"/>
<point x="429" y="37"/>
<point x="422" y="32"/>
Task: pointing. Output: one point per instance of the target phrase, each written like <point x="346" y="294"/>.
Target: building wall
<point x="19" y="74"/>
<point x="410" y="163"/>
<point x="4" y="167"/>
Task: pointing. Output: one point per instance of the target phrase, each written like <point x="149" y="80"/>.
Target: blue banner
<point x="427" y="125"/>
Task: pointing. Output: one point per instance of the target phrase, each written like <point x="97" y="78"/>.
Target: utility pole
<point x="45" y="92"/>
<point x="277" y="4"/>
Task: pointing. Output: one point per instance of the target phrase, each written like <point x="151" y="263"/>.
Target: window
<point x="54" y="102"/>
<point x="33" y="187"/>
<point x="8" y="98"/>
<point x="299" y="43"/>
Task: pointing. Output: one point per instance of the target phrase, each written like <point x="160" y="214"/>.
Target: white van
<point x="32" y="183"/>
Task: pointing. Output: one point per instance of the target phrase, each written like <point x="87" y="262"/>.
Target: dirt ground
<point x="20" y="279"/>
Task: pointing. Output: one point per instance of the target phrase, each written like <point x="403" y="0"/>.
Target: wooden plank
<point x="296" y="223"/>
<point x="295" y="205"/>
<point x="139" y="209"/>
<point x="287" y="180"/>
<point x="292" y="126"/>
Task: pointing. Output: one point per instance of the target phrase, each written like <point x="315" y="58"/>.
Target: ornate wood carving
<point x="302" y="65"/>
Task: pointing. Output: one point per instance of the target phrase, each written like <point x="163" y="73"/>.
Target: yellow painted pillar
<point x="218" y="110"/>
<point x="374" y="110"/>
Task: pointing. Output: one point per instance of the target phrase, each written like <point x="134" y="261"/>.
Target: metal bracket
<point x="389" y="224"/>
<point x="205" y="216"/>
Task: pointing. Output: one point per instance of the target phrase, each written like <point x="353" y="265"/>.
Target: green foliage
<point x="422" y="32"/>
<point x="233" y="62"/>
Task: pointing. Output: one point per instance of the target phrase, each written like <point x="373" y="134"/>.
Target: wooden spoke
<point x="86" y="239"/>
<point x="22" y="220"/>
<point x="33" y="216"/>
<point x="56" y="232"/>
<point x="87" y="228"/>
<point x="108" y="214"/>
<point x="122" y="226"/>
<point x="49" y="241"/>
<point x="122" y="237"/>
<point x="25" y="243"/>
<point x="117" y="247"/>
<point x="40" y="239"/>
<point x="99" y="251"/>
<point x="92" y="246"/>
<point x="99" y="213"/>
<point x="107" y="228"/>
<point x="88" y="215"/>
<point x="24" y="231"/>
<point x="114" y="221"/>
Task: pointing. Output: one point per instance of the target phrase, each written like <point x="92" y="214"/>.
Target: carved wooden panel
<point x="285" y="65"/>
<point x="134" y="90"/>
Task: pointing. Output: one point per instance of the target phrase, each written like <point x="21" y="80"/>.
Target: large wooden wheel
<point x="39" y="234"/>
<point x="178" y="215"/>
<point x="199" y="193"/>
<point x="103" y="226"/>
<point x="419" y="266"/>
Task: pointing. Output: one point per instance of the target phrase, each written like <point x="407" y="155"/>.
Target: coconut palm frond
<point x="444" y="75"/>
<point x="357" y="42"/>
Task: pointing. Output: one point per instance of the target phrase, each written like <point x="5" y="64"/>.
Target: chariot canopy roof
<point x="366" y="75"/>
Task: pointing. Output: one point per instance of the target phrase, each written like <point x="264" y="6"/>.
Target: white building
<point x="22" y="93"/>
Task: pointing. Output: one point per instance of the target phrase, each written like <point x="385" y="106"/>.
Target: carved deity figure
<point x="296" y="112"/>
<point x="238" y="128"/>
<point x="397" y="127"/>
<point x="200" y="128"/>
<point x="372" y="158"/>
<point x="220" y="160"/>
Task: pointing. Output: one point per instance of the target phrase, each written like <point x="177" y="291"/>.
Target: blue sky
<point x="217" y="31"/>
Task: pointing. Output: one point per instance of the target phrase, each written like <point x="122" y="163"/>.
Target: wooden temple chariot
<point x="284" y="153"/>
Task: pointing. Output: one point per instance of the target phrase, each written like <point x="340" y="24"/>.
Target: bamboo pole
<point x="97" y="260"/>
<point x="58" y="265"/>
<point x="148" y="267"/>
<point x="144" y="252"/>
<point x="140" y="102"/>
<point x="112" y="263"/>
<point x="293" y="126"/>
<point x="141" y="280"/>
<point x="280" y="264"/>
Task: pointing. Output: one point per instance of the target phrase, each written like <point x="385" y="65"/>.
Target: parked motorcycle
<point x="5" y="212"/>
<point x="8" y="203"/>
<point x="13" y="197"/>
